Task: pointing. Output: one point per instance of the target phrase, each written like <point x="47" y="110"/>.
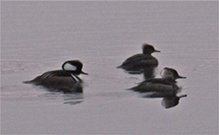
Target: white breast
<point x="69" y="67"/>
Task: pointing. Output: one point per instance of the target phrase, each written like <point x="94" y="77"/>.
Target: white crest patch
<point x="166" y="73"/>
<point x="70" y="67"/>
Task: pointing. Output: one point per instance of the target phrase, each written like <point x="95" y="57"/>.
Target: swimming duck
<point x="65" y="80"/>
<point x="140" y="61"/>
<point x="164" y="87"/>
<point x="161" y="87"/>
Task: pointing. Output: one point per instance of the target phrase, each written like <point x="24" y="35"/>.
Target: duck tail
<point x="133" y="89"/>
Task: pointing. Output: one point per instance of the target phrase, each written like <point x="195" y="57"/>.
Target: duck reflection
<point x="73" y="99"/>
<point x="147" y="71"/>
<point x="67" y="88"/>
<point x="68" y="98"/>
<point x="165" y="87"/>
<point x="171" y="101"/>
<point x="72" y="92"/>
<point x="169" y="93"/>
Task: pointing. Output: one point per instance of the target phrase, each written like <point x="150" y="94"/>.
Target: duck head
<point x="73" y="67"/>
<point x="171" y="74"/>
<point x="148" y="49"/>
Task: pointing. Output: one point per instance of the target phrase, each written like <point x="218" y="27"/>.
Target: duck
<point x="165" y="87"/>
<point x="65" y="80"/>
<point x="139" y="62"/>
<point x="161" y="87"/>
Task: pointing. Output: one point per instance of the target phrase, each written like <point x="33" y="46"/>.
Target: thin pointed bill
<point x="156" y="51"/>
<point x="84" y="73"/>
<point x="183" y="96"/>
<point x="181" y="77"/>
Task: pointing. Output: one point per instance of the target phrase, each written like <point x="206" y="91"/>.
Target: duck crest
<point x="63" y="80"/>
<point x="73" y="67"/>
<point x="69" y="67"/>
<point x="170" y="73"/>
<point x="148" y="49"/>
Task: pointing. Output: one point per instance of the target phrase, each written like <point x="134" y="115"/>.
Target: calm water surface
<point x="40" y="36"/>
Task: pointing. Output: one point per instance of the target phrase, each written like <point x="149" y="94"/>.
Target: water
<point x="40" y="36"/>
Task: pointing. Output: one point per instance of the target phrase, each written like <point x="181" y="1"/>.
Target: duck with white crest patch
<point x="65" y="80"/>
<point x="165" y="87"/>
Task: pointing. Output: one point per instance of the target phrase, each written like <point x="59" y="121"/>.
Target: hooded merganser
<point x="164" y="87"/>
<point x="161" y="87"/>
<point x="139" y="61"/>
<point x="65" y="80"/>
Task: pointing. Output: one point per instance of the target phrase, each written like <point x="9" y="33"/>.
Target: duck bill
<point x="181" y="77"/>
<point x="84" y="73"/>
<point x="182" y="96"/>
<point x="156" y="51"/>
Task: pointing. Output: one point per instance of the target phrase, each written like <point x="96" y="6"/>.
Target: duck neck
<point x="170" y="79"/>
<point x="147" y="53"/>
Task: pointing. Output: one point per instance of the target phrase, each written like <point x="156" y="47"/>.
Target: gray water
<point x="39" y="36"/>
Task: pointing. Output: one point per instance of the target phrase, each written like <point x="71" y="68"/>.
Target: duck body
<point x="62" y="83"/>
<point x="139" y="62"/>
<point x="157" y="88"/>
<point x="65" y="80"/>
<point x="48" y="75"/>
<point x="160" y="87"/>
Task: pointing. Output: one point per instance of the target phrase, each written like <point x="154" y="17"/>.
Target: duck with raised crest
<point x="164" y="87"/>
<point x="65" y="80"/>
